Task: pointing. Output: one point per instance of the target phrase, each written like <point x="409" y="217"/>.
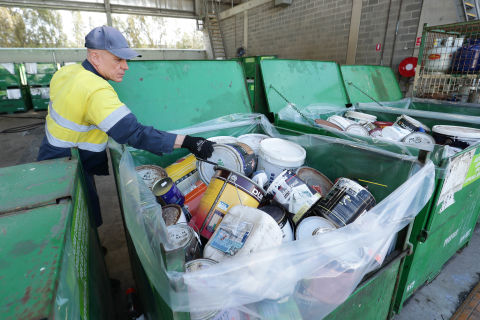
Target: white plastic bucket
<point x="277" y="155"/>
<point x="341" y="121"/>
<point x="253" y="140"/>
<point x="360" y="117"/>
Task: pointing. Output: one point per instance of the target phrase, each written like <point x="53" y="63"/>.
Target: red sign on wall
<point x="418" y="42"/>
<point x="378" y="47"/>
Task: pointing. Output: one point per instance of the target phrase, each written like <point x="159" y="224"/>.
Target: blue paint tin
<point x="167" y="191"/>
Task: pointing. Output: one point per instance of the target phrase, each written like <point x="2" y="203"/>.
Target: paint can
<point x="173" y="214"/>
<point x="243" y="231"/>
<point x="315" y="179"/>
<point x="311" y="226"/>
<point x="223" y="139"/>
<point x="192" y="199"/>
<point x="410" y="124"/>
<point x="253" y="140"/>
<point x="227" y="189"/>
<point x="344" y="203"/>
<point x="455" y="136"/>
<point x="277" y="155"/>
<point x="418" y="139"/>
<point x="151" y="174"/>
<point x="280" y="215"/>
<point x="293" y="194"/>
<point x="196" y="265"/>
<point x="168" y="192"/>
<point x="357" y="129"/>
<point x="183" y="238"/>
<point x="184" y="173"/>
<point x="394" y="133"/>
<point x="360" y="117"/>
<point x="238" y="157"/>
<point x="340" y="121"/>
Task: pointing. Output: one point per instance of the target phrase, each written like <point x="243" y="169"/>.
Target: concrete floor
<point x="435" y="301"/>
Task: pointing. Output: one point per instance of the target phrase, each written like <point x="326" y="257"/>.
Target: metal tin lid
<point x="457" y="131"/>
<point x="223" y="139"/>
<point x="160" y="187"/>
<point x="360" y="116"/>
<point x="326" y="123"/>
<point x="150" y="174"/>
<point x="223" y="155"/>
<point x="357" y="129"/>
<point x="171" y="214"/>
<point x="199" y="264"/>
<point x="315" y="179"/>
<point x="311" y="226"/>
<point x="179" y="235"/>
<point x="340" y="121"/>
<point x="278" y="213"/>
<point x="418" y="138"/>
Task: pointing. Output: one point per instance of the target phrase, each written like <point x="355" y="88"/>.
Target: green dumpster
<point x="51" y="262"/>
<point x="370" y="83"/>
<point x="312" y="102"/>
<point x="12" y="90"/>
<point x="38" y="80"/>
<point x="161" y="282"/>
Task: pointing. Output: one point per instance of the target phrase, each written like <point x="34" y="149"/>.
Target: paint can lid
<point x="419" y="139"/>
<point x="223" y="155"/>
<point x="278" y="213"/>
<point x="171" y="214"/>
<point x="161" y="187"/>
<point x="360" y="116"/>
<point x="311" y="226"/>
<point x="223" y="139"/>
<point x="150" y="174"/>
<point x="357" y="129"/>
<point x="282" y="152"/>
<point x="340" y="121"/>
<point x="179" y="235"/>
<point x="457" y="131"/>
<point x="315" y="179"/>
<point x="325" y="123"/>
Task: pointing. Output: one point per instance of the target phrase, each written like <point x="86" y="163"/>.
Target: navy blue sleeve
<point x="128" y="130"/>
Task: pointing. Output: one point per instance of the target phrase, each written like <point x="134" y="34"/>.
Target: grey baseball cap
<point x="110" y="39"/>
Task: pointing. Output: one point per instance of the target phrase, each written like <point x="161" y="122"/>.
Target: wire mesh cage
<point x="449" y="63"/>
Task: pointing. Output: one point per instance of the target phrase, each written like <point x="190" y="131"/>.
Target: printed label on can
<point x="229" y="240"/>
<point x="215" y="219"/>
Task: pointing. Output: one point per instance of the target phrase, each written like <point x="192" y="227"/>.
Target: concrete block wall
<point x="319" y="30"/>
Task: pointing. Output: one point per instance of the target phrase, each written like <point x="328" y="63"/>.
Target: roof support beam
<point x="98" y="7"/>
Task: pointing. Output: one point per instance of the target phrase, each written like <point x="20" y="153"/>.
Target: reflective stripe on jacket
<point x="83" y="107"/>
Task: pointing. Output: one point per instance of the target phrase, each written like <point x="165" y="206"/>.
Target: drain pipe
<point x="385" y="33"/>
<point x="396" y="33"/>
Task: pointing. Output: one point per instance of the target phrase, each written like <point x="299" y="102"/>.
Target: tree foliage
<point x="31" y="28"/>
<point x="141" y="31"/>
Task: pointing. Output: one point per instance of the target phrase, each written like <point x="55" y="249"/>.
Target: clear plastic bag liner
<point x="323" y="270"/>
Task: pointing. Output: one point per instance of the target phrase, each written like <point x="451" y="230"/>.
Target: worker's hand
<point x="200" y="147"/>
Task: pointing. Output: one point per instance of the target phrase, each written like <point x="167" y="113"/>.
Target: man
<point x="84" y="110"/>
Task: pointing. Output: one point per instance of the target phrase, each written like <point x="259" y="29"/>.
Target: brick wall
<point x="319" y="30"/>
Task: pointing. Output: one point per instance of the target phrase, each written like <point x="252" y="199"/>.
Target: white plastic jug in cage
<point x="439" y="58"/>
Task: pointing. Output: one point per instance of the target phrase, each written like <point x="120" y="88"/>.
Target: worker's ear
<point x="94" y="57"/>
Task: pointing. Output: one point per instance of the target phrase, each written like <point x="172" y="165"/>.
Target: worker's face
<point x="109" y="66"/>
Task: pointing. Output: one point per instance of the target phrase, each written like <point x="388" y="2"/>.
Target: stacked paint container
<point x="12" y="93"/>
<point x="38" y="79"/>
